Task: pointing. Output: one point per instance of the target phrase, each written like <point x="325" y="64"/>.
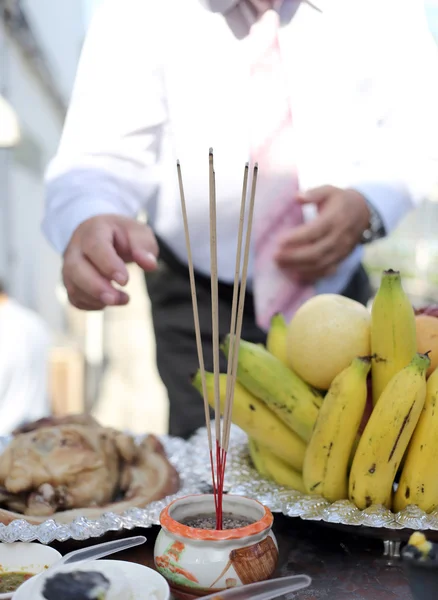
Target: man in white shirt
<point x="24" y="355"/>
<point x="164" y="80"/>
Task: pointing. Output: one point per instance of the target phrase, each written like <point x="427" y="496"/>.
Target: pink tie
<point x="272" y="146"/>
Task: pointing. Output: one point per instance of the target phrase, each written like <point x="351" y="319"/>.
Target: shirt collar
<point x="316" y="4"/>
<point x="223" y="6"/>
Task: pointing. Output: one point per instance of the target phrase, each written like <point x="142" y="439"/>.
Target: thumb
<point x="143" y="245"/>
<point x="315" y="195"/>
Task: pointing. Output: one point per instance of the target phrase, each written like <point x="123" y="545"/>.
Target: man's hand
<point x="96" y="257"/>
<point x="315" y="249"/>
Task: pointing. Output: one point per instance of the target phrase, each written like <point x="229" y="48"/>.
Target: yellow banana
<point x="393" y="332"/>
<point x="327" y="458"/>
<point x="256" y="457"/>
<point x="276" y="342"/>
<point x="419" y="479"/>
<point x="293" y="400"/>
<point x="255" y="418"/>
<point x="387" y="435"/>
<point x="272" y="467"/>
<point x="353" y="451"/>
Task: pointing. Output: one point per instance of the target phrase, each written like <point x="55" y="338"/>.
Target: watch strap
<point x="376" y="228"/>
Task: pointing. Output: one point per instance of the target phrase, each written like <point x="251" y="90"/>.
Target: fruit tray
<point x="241" y="478"/>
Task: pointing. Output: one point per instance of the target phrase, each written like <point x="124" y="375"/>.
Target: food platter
<point x="82" y="528"/>
<point x="241" y="478"/>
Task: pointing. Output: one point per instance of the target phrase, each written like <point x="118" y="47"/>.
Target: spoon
<point x="264" y="590"/>
<point x="94" y="552"/>
<point x="99" y="550"/>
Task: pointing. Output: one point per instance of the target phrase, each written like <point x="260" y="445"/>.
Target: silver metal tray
<point x="242" y="479"/>
<point x="177" y="451"/>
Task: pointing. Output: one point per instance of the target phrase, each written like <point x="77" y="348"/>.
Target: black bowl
<point x="422" y="576"/>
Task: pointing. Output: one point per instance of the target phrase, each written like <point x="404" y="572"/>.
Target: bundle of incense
<point x="219" y="447"/>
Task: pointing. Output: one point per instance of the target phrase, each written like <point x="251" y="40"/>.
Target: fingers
<point x="137" y="243"/>
<point x="310" y="251"/>
<point x="85" y="304"/>
<point x="96" y="257"/>
<point x="310" y="270"/>
<point x="307" y="233"/>
<point x="84" y="301"/>
<point x="144" y="247"/>
<point x="316" y="195"/>
<point x="310" y="275"/>
<point x="99" y="249"/>
<point x="301" y="256"/>
<point x="86" y="287"/>
<point x="314" y="250"/>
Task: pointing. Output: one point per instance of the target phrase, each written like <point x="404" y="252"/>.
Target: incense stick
<point x="228" y="398"/>
<point x="215" y="332"/>
<point x="227" y="424"/>
<point x="233" y="353"/>
<point x="196" y="319"/>
<point x="214" y="293"/>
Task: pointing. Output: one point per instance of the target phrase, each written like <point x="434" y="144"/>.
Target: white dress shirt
<point x="168" y="79"/>
<point x="24" y="356"/>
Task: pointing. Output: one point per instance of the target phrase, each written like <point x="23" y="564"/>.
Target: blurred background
<point x="105" y="362"/>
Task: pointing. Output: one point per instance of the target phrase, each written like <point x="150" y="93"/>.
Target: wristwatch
<point x="376" y="228"/>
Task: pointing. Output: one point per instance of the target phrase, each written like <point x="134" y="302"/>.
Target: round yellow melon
<point x="324" y="336"/>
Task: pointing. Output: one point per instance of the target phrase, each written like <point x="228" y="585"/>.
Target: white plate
<point x="26" y="558"/>
<point x="139" y="576"/>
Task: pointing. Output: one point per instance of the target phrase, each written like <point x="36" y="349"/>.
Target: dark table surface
<point x="342" y="565"/>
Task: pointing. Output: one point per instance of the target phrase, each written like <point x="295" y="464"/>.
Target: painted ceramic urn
<point x="199" y="561"/>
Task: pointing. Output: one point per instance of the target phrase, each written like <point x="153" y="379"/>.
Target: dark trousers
<point x="177" y="359"/>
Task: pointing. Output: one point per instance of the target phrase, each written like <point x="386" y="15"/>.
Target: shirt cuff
<point x="81" y="194"/>
<point x="392" y="201"/>
<point x="59" y="225"/>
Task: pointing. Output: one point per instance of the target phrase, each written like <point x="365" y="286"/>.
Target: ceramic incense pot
<point x="197" y="562"/>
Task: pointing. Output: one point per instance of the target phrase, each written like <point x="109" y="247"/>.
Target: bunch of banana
<point x="260" y="423"/>
<point x="393" y="332"/>
<point x="387" y="435"/>
<point x="419" y="480"/>
<point x="276" y="342"/>
<point x="267" y="378"/>
<point x="327" y="458"/>
<point x="272" y="467"/>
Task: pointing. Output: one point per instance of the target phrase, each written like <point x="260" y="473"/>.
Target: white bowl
<point x="139" y="576"/>
<point x="26" y="558"/>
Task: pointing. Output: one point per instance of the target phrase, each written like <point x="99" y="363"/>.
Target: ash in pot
<point x="229" y="521"/>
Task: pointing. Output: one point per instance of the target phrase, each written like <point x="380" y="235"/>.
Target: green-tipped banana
<point x="276" y="342"/>
<point x="328" y="454"/>
<point x="272" y="467"/>
<point x="267" y="378"/>
<point x="393" y="332"/>
<point x="387" y="435"/>
<point x="255" y="418"/>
